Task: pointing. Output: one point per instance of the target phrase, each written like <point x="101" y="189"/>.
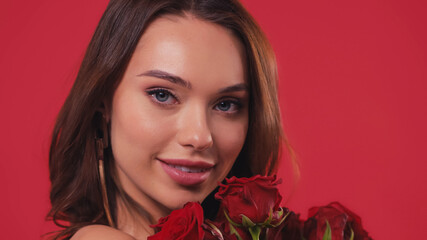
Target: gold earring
<point x="101" y="144"/>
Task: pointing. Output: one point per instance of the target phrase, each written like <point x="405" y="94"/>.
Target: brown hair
<point x="75" y="194"/>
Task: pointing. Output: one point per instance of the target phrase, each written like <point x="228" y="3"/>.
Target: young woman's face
<point x="179" y="116"/>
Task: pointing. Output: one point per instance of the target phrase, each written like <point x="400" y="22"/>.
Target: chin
<point x="184" y="198"/>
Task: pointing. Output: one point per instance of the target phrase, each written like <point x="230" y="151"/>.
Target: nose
<point x="194" y="130"/>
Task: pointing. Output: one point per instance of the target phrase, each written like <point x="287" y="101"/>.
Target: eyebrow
<point x="177" y="80"/>
<point x="235" y="88"/>
<point x="166" y="76"/>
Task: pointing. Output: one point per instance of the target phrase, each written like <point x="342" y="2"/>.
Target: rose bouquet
<point x="250" y="209"/>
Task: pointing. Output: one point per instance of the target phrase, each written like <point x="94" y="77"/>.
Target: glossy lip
<point x="186" y="178"/>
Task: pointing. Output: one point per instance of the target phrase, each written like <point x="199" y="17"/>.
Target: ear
<point x="104" y="109"/>
<point x="103" y="113"/>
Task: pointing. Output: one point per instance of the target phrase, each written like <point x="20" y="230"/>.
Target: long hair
<point x="76" y="196"/>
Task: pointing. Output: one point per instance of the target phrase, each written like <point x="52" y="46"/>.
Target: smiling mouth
<point x="189" y="170"/>
<point x="186" y="172"/>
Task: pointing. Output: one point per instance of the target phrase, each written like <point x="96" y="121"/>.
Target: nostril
<point x="198" y="138"/>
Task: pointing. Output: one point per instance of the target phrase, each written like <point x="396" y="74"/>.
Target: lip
<point x="186" y="172"/>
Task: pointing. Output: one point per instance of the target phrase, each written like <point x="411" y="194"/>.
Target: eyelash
<point x="237" y="104"/>
<point x="152" y="92"/>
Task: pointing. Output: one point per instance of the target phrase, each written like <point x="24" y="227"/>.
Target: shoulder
<point x="100" y="232"/>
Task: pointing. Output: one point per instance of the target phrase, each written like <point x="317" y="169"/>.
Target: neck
<point x="136" y="221"/>
<point x="132" y="223"/>
<point x="135" y="217"/>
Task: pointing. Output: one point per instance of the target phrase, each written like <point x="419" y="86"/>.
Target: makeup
<point x="186" y="172"/>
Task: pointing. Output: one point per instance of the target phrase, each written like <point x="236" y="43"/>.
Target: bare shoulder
<point x="100" y="232"/>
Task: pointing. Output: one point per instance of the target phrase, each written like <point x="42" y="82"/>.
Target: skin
<point x="203" y="119"/>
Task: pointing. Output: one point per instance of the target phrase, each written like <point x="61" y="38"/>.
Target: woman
<point x="171" y="97"/>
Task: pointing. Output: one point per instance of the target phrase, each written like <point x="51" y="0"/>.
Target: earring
<point x="101" y="144"/>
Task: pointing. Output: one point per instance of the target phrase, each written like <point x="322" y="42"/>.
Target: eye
<point x="228" y="106"/>
<point x="162" y="96"/>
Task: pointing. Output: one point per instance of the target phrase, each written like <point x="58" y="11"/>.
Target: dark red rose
<point x="218" y="231"/>
<point x="182" y="224"/>
<point x="228" y="230"/>
<point x="256" y="198"/>
<point x="341" y="220"/>
<point x="289" y="229"/>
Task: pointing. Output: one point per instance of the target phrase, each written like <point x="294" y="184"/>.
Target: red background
<point x="353" y="96"/>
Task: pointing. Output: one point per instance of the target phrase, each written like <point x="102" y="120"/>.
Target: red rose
<point x="218" y="231"/>
<point x="290" y="229"/>
<point x="256" y="198"/>
<point x="181" y="224"/>
<point x="342" y="223"/>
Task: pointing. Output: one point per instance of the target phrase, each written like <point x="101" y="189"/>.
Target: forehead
<point x="192" y="49"/>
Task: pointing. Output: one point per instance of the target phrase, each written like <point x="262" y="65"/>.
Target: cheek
<point x="136" y="130"/>
<point x="229" y="137"/>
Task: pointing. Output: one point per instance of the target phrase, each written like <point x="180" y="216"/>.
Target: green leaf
<point x="270" y="217"/>
<point x="234" y="231"/>
<point x="283" y="219"/>
<point x="231" y="221"/>
<point x="328" y="232"/>
<point x="255" y="232"/>
<point x="214" y="228"/>
<point x="352" y="234"/>
<point x="280" y="212"/>
<point x="247" y="222"/>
